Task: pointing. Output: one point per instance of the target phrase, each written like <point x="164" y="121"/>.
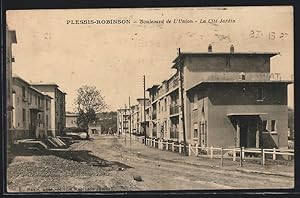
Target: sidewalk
<point x="201" y="161"/>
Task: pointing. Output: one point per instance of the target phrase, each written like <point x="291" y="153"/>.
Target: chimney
<point x="209" y="48"/>
<point x="178" y="51"/>
<point x="231" y="49"/>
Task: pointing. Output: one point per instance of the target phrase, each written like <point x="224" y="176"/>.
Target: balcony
<point x="174" y="133"/>
<point x="174" y="109"/>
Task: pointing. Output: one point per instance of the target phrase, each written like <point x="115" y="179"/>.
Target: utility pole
<point x="182" y="102"/>
<point x="144" y="85"/>
<point x="124" y="123"/>
<point x="129" y="121"/>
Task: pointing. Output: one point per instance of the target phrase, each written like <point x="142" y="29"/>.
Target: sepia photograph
<point x="150" y="99"/>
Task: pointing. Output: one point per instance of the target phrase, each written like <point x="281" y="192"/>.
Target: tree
<point x="89" y="101"/>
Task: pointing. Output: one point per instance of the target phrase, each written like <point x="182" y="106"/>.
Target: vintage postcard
<point x="150" y="99"/>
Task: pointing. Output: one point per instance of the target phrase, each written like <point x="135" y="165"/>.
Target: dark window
<point x="23" y="115"/>
<point x="259" y="93"/>
<point x="23" y="92"/>
<point x="47" y="120"/>
<point x="40" y="120"/>
<point x="265" y="125"/>
<point x="195" y="133"/>
<point x="273" y="125"/>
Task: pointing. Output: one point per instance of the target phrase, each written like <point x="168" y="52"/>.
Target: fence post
<point x="197" y="145"/>
<point x="190" y="152"/>
<point x="262" y="157"/>
<point x="243" y="152"/>
<point x="172" y="146"/>
<point x="211" y="152"/>
<point x="234" y="154"/>
<point x="179" y="148"/>
<point x="274" y="153"/>
<point x="241" y="157"/>
<point x="222" y="157"/>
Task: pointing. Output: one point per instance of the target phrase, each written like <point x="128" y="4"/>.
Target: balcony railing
<point x="174" y="109"/>
<point x="174" y="132"/>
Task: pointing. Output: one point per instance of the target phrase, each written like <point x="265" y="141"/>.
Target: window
<point x="165" y="104"/>
<point x="23" y="92"/>
<point x="39" y="115"/>
<point x="47" y="105"/>
<point x="23" y="115"/>
<point x="39" y="102"/>
<point x="273" y="125"/>
<point x="265" y="125"/>
<point x="30" y="98"/>
<point x="47" y="121"/>
<point x="35" y="100"/>
<point x="195" y="130"/>
<point x="259" y="94"/>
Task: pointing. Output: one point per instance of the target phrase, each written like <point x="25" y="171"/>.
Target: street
<point x="107" y="164"/>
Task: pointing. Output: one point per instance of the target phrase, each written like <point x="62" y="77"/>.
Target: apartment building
<point x="31" y="112"/>
<point x="165" y="114"/>
<point x="58" y="107"/>
<point x="11" y="39"/>
<point x="137" y="117"/>
<point x="229" y="100"/>
<point x="123" y="120"/>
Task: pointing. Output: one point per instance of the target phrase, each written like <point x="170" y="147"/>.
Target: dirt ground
<point x="107" y="164"/>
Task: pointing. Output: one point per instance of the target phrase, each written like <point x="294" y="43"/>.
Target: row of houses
<point x="220" y="99"/>
<point x="34" y="110"/>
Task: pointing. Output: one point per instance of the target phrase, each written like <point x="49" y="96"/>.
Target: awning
<point x="34" y="109"/>
<point x="245" y="114"/>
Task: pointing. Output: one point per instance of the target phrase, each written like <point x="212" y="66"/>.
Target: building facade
<point x="94" y="128"/>
<point x="31" y="114"/>
<point x="58" y="107"/>
<point x="123" y="120"/>
<point x="137" y="117"/>
<point x="11" y="39"/>
<point x="71" y="120"/>
<point x="228" y="100"/>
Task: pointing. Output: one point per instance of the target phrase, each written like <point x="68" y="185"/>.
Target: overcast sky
<point x="114" y="57"/>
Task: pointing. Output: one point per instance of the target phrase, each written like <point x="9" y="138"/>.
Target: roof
<point x="15" y="76"/>
<point x="36" y="90"/>
<point x="182" y="55"/>
<point x="44" y="84"/>
<point x="241" y="81"/>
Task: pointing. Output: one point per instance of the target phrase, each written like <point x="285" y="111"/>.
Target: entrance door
<point x="248" y="129"/>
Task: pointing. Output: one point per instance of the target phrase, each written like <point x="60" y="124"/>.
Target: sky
<point x="114" y="57"/>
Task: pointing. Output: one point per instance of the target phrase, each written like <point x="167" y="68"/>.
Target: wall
<point x="71" y="121"/>
<point x="221" y="67"/>
<point x="221" y="132"/>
